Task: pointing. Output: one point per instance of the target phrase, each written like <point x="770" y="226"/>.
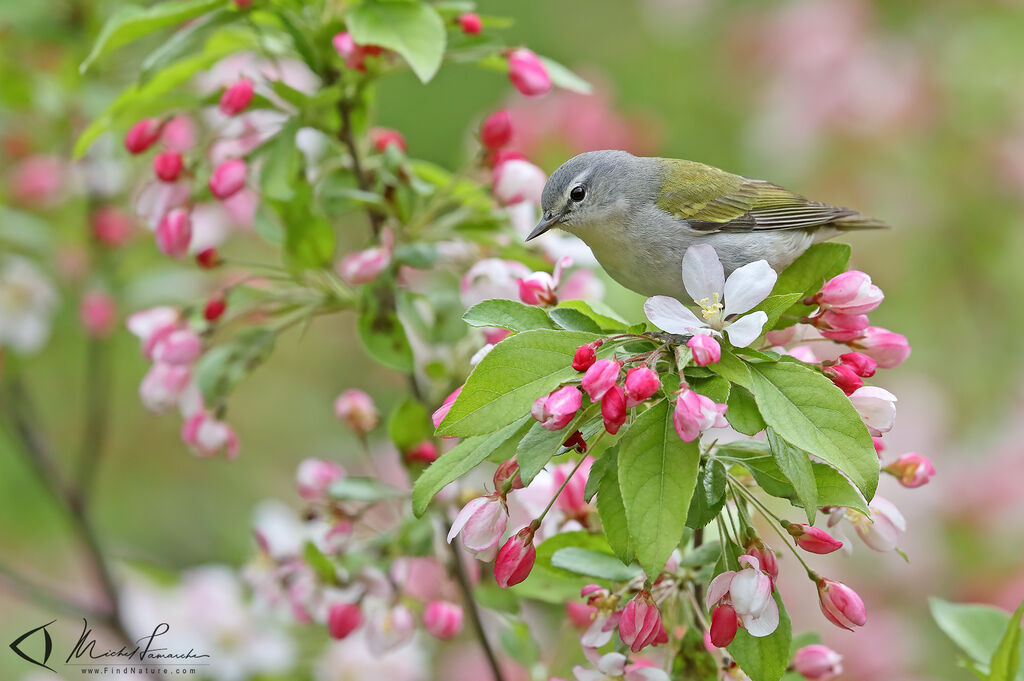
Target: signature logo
<point x="48" y="642"/>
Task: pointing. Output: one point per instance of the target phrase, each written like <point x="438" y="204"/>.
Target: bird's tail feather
<point x="857" y="221"/>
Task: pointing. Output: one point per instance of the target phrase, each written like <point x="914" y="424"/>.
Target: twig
<point x="46" y="596"/>
<point x="474" y="613"/>
<point x="346" y="136"/>
<point x="97" y="409"/>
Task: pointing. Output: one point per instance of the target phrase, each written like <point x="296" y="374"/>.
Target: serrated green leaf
<point x="764" y="658"/>
<point x="714" y="387"/>
<point x="796" y="466"/>
<point x="382" y="332"/>
<point x="611" y="510"/>
<point x="708" y="496"/>
<point x="742" y="414"/>
<point x="775" y="306"/>
<point x="733" y="369"/>
<point x="604" y="316"/>
<point x="811" y="413"/>
<point x="412" y="29"/>
<point x="510" y="378"/>
<point x="657" y="474"/>
<point x="574" y="320"/>
<point x="602" y="464"/>
<point x="832" y="488"/>
<point x="976" y="629"/>
<point x="1005" y="661"/>
<point x="593" y="564"/>
<point x="508" y="314"/>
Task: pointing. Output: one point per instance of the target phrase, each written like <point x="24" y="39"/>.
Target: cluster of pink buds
<point x="850" y="371"/>
<point x="352" y="54"/>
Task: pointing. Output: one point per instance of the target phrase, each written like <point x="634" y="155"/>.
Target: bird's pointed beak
<point x="547" y="222"/>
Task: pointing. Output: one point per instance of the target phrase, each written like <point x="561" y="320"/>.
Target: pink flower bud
<point x="850" y="293"/>
<point x="496" y="130"/>
<point x="556" y="410"/>
<point x="382" y="138"/>
<point x="445" y="407"/>
<point x="315" y="476"/>
<point x="179" y="134"/>
<point x="640" y="625"/>
<point x="150" y="326"/>
<point x="236" y="98"/>
<point x="163" y="386"/>
<point x="181" y="346"/>
<point x="228" y="178"/>
<point x="207" y="436"/>
<point x="818" y="663"/>
<point x="877" y="408"/>
<point x="167" y="165"/>
<point x="844" y="377"/>
<point x="640" y="384"/>
<point x="343" y="619"/>
<point x="841" y="327"/>
<point x="481" y="523"/>
<point x="767" y="560"/>
<point x="840" y="604"/>
<point x="613" y="409"/>
<point x="353" y="55"/>
<point x="515" y="559"/>
<point x="111" y="227"/>
<point x="208" y="258"/>
<point x="694" y="413"/>
<point x="600" y="377"/>
<point x="527" y="73"/>
<point x="142" y="135"/>
<point x="424" y="452"/>
<point x="174" y="233"/>
<point x="362" y="267"/>
<point x="214" y="308"/>
<point x="507" y="475"/>
<point x="861" y="364"/>
<point x="98" y="313"/>
<point x="886" y="347"/>
<point x="517" y="180"/>
<point x="706" y="349"/>
<point x="724" y="625"/>
<point x="879" y="445"/>
<point x="813" y="539"/>
<point x="584" y="357"/>
<point x="357" y="410"/>
<point x="580" y="614"/>
<point x="912" y="470"/>
<point x="471" y="23"/>
<point x="442" y="619"/>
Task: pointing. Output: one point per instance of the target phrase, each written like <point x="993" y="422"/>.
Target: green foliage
<point x="380" y="329"/>
<point x="1006" y="658"/>
<point x="796" y="466"/>
<point x="412" y="29"/>
<point x="708" y="496"/>
<point x="369" y="490"/>
<point x="990" y="638"/>
<point x="222" y="367"/>
<point x="765" y="658"/>
<point x="804" y="277"/>
<point x="743" y="415"/>
<point x="507" y="314"/>
<point x="409" y="424"/>
<point x="611" y="509"/>
<point x="594" y="564"/>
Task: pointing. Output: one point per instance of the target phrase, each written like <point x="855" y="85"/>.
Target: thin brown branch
<point x="346" y="135"/>
<point x="96" y="403"/>
<point x="459" y="572"/>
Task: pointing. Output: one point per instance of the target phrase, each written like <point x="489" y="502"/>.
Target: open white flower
<point x="719" y="298"/>
<point x="27" y="304"/>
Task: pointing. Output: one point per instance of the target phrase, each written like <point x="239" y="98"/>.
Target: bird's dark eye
<point x="578" y="193"/>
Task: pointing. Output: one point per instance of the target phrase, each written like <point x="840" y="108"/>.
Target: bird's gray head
<point x="590" y="189"/>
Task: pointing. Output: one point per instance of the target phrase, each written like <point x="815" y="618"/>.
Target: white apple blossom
<point x="27" y="302"/>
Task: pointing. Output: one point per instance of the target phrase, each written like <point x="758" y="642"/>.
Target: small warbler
<point x="639" y="215"/>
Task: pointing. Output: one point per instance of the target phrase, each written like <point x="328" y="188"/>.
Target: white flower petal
<point x="745" y="330"/>
<point x="719" y="587"/>
<point x="668" y="314"/>
<point x="748" y="286"/>
<point x="765" y="622"/>
<point x="703" y="275"/>
<point x="464" y="515"/>
<point x="613" y="664"/>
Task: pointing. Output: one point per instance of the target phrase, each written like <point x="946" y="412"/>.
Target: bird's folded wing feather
<point x="712" y="200"/>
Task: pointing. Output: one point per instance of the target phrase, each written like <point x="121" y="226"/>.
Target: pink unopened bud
<point x="640" y="384"/>
<point x="424" y="452"/>
<point x="496" y="130"/>
<point x="362" y="267"/>
<point x="912" y="470"/>
<point x="98" y="313"/>
<point x="163" y="386"/>
<point x="706" y="349"/>
<point x="613" y="409"/>
<point x="818" y="663"/>
<point x="315" y="476"/>
<point x="877" y="408"/>
<point x="357" y="410"/>
<point x="228" y="178"/>
<point x="584" y="357"/>
<point x="600" y="377"/>
<point x="850" y="293"/>
<point x="879" y="445"/>
<point x="142" y="135"/>
<point x="841" y="327"/>
<point x="111" y="227"/>
<point x="167" y="165"/>
<point x="481" y="523"/>
<point x="844" y="377"/>
<point x="343" y="619"/>
<point x="507" y="475"/>
<point x="766" y="558"/>
<point x="640" y="625"/>
<point x="724" y="624"/>
<point x="840" y="604"/>
<point x="442" y="619"/>
<point x="181" y="346"/>
<point x="445" y="407"/>
<point x="208" y="258"/>
<point x="813" y="539"/>
<point x="214" y="308"/>
<point x="886" y="347"/>
<point x="236" y="98"/>
<point x="515" y="559"/>
<point x="556" y="410"/>
<point x="207" y="436"/>
<point x="382" y="138"/>
<point x="471" y="23"/>
<point x="861" y="364"/>
<point x="174" y="233"/>
<point x="694" y="413"/>
<point x="527" y="73"/>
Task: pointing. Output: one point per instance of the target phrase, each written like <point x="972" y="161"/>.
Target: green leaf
<point x="811" y="413"/>
<point x="733" y="369"/>
<point x="130" y="22"/>
<point x="805" y="276"/>
<point x="508" y="314"/>
<point x="593" y="564"/>
<point x="280" y="171"/>
<point x="510" y="378"/>
<point x="765" y="658"/>
<point x="409" y="424"/>
<point x="182" y="42"/>
<point x="222" y="367"/>
<point x="714" y="387"/>
<point x="657" y="474"/>
<point x="742" y="414"/>
<point x="455" y="463"/>
<point x="832" y="488"/>
<point x="371" y="490"/>
<point x="603" y="315"/>
<point x="1006" y="658"/>
<point x="320" y="563"/>
<point x="516" y="640"/>
<point x="382" y="333"/>
<point x="564" y="78"/>
<point x="705" y="554"/>
<point x="540" y="444"/>
<point x="796" y="466"/>
<point x="976" y="629"/>
<point x="412" y="29"/>
<point x="602" y="465"/>
<point x="708" y="496"/>
<point x="774" y="306"/>
<point x="574" y="320"/>
<point x="611" y="509"/>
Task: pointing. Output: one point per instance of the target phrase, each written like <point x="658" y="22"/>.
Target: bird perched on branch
<point x="639" y="215"/>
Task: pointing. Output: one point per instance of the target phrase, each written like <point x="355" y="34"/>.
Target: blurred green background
<point x="910" y="112"/>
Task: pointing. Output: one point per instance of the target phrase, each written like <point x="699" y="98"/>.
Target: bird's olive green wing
<point x="712" y="200"/>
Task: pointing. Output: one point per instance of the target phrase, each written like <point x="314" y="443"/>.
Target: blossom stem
<point x="347" y="137"/>
<point x="566" y="481"/>
<point x="459" y="571"/>
<point x="769" y="516"/>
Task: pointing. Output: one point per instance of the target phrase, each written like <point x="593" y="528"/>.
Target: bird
<point x="639" y="214"/>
